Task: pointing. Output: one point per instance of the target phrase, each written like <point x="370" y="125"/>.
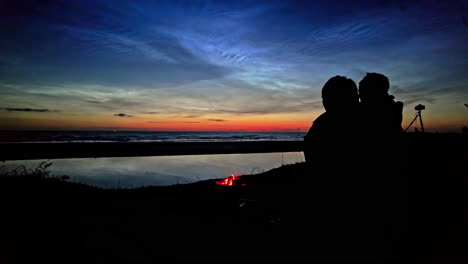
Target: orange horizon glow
<point x="298" y="122"/>
<point x="271" y="123"/>
<point x="202" y="126"/>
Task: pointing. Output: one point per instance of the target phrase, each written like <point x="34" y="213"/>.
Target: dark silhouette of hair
<point x="374" y="86"/>
<point x="339" y="93"/>
<point x="379" y="111"/>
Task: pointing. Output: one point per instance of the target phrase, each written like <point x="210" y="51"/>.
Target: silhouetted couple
<point x="350" y="126"/>
<point x="353" y="153"/>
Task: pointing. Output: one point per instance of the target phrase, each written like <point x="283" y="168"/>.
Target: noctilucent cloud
<point x="223" y="65"/>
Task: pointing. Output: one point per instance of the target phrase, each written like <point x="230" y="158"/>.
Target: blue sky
<point x="193" y="62"/>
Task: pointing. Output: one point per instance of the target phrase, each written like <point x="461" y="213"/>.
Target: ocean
<point x="145" y="136"/>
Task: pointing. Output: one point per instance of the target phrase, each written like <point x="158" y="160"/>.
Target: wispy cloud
<point x="120" y="43"/>
<point x="174" y="122"/>
<point x="191" y="116"/>
<point x="122" y="115"/>
<point x="217" y="120"/>
<point x="30" y="110"/>
<point x="93" y="101"/>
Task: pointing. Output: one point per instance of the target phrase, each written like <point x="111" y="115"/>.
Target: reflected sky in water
<point x="129" y="172"/>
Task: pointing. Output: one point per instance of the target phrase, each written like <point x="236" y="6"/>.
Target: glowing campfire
<point x="229" y="181"/>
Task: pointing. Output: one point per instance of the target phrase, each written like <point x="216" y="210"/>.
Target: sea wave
<point x="139" y="136"/>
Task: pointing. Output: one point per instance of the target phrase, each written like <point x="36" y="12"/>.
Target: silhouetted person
<point x="382" y="154"/>
<point x="331" y="136"/>
<point x="332" y="188"/>
<point x="381" y="117"/>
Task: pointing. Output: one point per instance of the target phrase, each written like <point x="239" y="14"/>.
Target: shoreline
<point x="49" y="150"/>
<point x="30" y="151"/>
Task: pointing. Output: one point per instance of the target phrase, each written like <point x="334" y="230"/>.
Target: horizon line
<point x="131" y="130"/>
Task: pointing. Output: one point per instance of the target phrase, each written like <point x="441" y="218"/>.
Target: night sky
<point x="223" y="65"/>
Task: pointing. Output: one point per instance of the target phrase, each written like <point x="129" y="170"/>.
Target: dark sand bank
<point x="272" y="217"/>
<point x="25" y="151"/>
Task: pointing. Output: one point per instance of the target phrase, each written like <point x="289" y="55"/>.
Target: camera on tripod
<point x="419" y="107"/>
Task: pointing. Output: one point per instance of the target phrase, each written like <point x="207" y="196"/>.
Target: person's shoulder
<point x="318" y="124"/>
<point x="322" y="118"/>
<point x="321" y="121"/>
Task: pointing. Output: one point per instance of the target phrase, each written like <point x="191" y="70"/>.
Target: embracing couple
<point x="355" y="183"/>
<point x="355" y="155"/>
<point x="357" y="121"/>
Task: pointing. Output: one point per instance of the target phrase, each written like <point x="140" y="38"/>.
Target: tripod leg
<point x="422" y="126"/>
<point x="416" y="117"/>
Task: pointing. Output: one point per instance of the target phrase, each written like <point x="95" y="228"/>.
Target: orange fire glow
<point x="229" y="181"/>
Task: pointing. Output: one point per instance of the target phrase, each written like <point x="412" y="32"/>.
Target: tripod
<point x="418" y="114"/>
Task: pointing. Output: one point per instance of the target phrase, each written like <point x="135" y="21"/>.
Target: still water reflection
<point x="132" y="172"/>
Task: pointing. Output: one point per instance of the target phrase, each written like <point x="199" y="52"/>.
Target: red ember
<point x="229" y="181"/>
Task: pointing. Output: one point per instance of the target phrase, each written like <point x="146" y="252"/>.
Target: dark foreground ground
<point x="276" y="215"/>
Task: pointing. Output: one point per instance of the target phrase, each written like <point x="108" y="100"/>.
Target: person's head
<point x="373" y="87"/>
<point x="339" y="94"/>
